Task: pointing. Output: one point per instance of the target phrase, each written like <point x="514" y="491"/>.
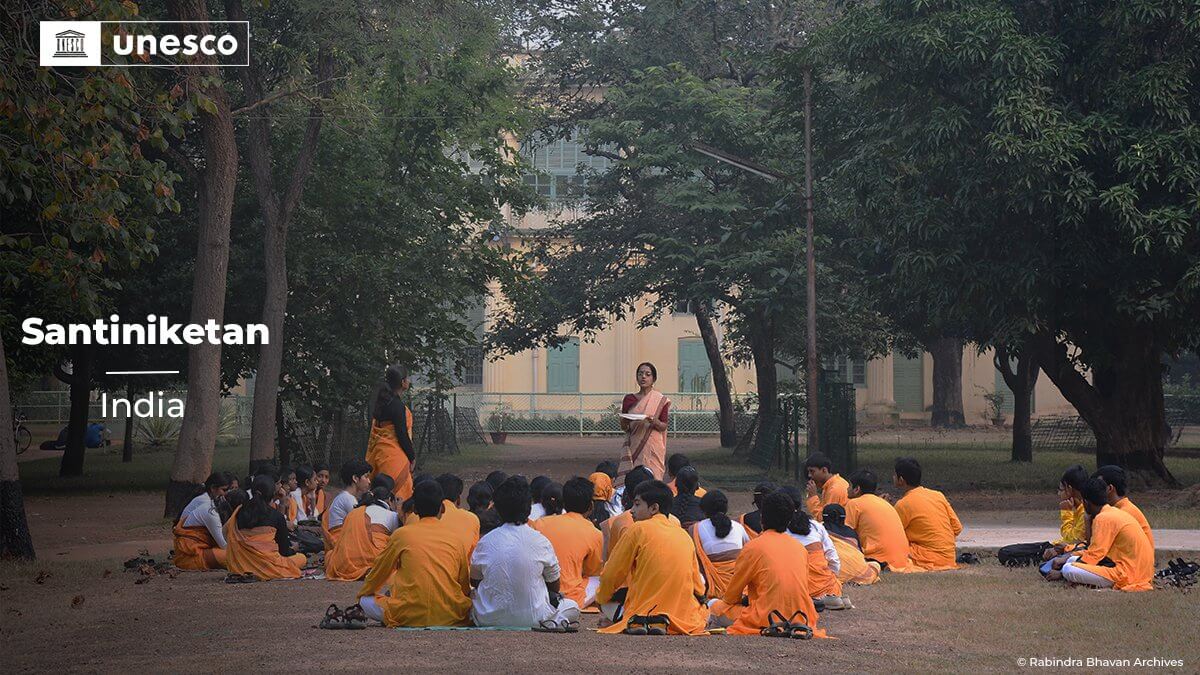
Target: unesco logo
<point x="69" y="45"/>
<point x="133" y="44"/>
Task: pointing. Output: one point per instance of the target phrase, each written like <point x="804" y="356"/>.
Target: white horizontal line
<point x="141" y="372"/>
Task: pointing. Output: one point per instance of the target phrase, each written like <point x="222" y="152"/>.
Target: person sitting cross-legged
<point x="929" y="521"/>
<point x="427" y="565"/>
<point x="1117" y="492"/>
<point x="824" y="486"/>
<point x="576" y="541"/>
<point x="879" y="528"/>
<point x="515" y="571"/>
<point x="1118" y="556"/>
<point x="768" y="575"/>
<point x="655" y="560"/>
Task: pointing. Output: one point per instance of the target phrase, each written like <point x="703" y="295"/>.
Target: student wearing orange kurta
<point x="577" y="543"/>
<point x="389" y="448"/>
<point x="929" y="521"/>
<point x="199" y="535"/>
<point x="614" y="527"/>
<point x="1114" y="477"/>
<point x="1117" y="538"/>
<point x="824" y="486"/>
<point x="853" y="566"/>
<point x="656" y="561"/>
<point x="364" y="534"/>
<point x="767" y="575"/>
<point x="877" y="523"/>
<point x="454" y="517"/>
<point x="428" y="567"/>
<point x="258" y="537"/>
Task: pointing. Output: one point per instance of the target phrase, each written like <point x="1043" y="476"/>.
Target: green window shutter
<point x="695" y="373"/>
<point x="562" y="367"/>
<point x="908" y="383"/>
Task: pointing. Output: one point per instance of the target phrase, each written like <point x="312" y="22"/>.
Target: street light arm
<point x="739" y="162"/>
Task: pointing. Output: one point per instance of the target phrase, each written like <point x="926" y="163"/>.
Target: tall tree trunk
<point x="130" y="423"/>
<point x="762" y="347"/>
<point x="947" y="383"/>
<point x="218" y="179"/>
<point x="708" y="333"/>
<point x="277" y="213"/>
<point x="1123" y="404"/>
<point x="15" y="541"/>
<point x="81" y="395"/>
<point x="1020" y="381"/>
<point x="285" y="447"/>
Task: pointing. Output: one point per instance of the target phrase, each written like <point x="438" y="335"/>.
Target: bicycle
<point x="21" y="434"/>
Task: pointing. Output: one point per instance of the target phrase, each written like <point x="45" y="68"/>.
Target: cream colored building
<point x="889" y="389"/>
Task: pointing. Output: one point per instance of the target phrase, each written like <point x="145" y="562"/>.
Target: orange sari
<point x="717" y="573"/>
<point x="195" y="549"/>
<point x="254" y="551"/>
<point x="644" y="446"/>
<point x="821" y="580"/>
<point x="385" y="455"/>
<point x="360" y="543"/>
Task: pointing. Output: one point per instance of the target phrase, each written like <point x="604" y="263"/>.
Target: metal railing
<point x="579" y="412"/>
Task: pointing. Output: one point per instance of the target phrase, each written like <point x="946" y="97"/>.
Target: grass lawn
<point x="103" y="471"/>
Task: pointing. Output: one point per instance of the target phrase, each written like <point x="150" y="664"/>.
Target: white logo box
<point x="79" y="43"/>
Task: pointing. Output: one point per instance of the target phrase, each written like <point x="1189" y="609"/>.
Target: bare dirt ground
<point x="75" y="609"/>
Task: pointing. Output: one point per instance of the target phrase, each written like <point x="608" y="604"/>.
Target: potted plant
<point x="497" y="422"/>
<point x="995" y="409"/>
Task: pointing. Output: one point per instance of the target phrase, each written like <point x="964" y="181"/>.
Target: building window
<point x="473" y="374"/>
<point x="559" y="167"/>
<point x="851" y="371"/>
<point x="562" y="367"/>
<point x="695" y="372"/>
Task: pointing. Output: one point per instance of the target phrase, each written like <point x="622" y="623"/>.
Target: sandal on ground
<point x="780" y="627"/>
<point x="649" y="624"/>
<point x="636" y="626"/>
<point x="354" y="617"/>
<point x="552" y="626"/>
<point x="334" y="619"/>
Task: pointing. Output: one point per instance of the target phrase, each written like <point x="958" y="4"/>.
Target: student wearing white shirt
<point x="823" y="561"/>
<point x="514" y="571"/>
<point x="356" y="476"/>
<point x="199" y="542"/>
<point x="535" y="490"/>
<point x="304" y="498"/>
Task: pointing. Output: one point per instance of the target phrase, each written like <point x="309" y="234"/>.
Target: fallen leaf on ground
<point x="76" y="601"/>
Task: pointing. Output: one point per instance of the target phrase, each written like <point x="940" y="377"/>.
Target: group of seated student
<point x="1112" y="545"/>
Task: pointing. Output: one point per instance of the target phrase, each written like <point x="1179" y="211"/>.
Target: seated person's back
<point x="426" y="564"/>
<point x="514" y="568"/>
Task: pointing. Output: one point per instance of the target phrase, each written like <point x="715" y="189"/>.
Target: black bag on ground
<point x="306" y="541"/>
<point x="1022" y="555"/>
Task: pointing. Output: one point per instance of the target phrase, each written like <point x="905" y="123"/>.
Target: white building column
<point x="881" y="401"/>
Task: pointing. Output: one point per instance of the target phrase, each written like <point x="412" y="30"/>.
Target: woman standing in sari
<point x="645" y="439"/>
<point x="390" y="449"/>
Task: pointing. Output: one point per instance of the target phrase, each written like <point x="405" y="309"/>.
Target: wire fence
<point x="581" y="413"/>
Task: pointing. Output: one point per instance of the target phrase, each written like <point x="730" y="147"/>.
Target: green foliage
<point x="665" y="223"/>
<point x="387" y="254"/>
<point x="80" y="187"/>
